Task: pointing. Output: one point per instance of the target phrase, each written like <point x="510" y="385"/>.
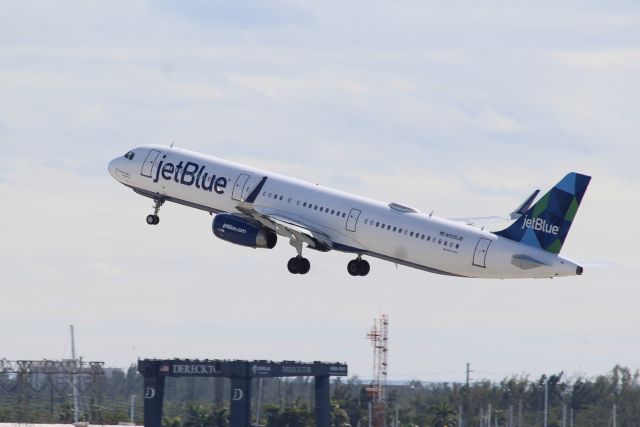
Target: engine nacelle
<point x="243" y="231"/>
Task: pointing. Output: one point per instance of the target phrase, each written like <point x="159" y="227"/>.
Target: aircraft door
<point x="480" y="255"/>
<point x="352" y="219"/>
<point x="149" y="162"/>
<point x="240" y="188"/>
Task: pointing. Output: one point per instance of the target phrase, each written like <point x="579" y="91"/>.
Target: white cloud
<point x="458" y="108"/>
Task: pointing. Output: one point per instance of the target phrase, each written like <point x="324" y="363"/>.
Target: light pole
<point x="133" y="409"/>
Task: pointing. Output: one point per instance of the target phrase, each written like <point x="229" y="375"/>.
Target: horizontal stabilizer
<point x="526" y="262"/>
<point x="524" y="207"/>
<point x="517" y="213"/>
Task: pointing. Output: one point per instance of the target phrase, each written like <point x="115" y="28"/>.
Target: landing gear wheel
<point x="353" y="267"/>
<point x="298" y="265"/>
<point x="358" y="267"/>
<point x="364" y="268"/>
<point x="305" y="266"/>
<point x="154" y="219"/>
<point x="292" y="265"/>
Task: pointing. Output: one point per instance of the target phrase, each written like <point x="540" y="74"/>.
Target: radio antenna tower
<point x="379" y="337"/>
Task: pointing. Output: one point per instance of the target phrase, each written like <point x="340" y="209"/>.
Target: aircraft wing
<point x="294" y="229"/>
<point x="517" y="213"/>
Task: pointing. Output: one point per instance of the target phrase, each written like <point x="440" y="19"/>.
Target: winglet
<point x="254" y="194"/>
<point x="524" y="207"/>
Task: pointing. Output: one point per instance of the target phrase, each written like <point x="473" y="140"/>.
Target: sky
<point x="455" y="107"/>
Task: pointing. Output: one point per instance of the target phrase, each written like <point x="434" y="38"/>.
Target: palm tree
<point x="444" y="415"/>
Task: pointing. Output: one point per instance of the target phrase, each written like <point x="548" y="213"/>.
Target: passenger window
<point x="422" y="237"/>
<point x="304" y="205"/>
<point x="389" y="227"/>
<point x="383" y="225"/>
<point x="280" y="197"/>
<point x="366" y="221"/>
<point x="428" y="238"/>
<point x="394" y="228"/>
<point x="264" y="193"/>
<point x="377" y="223"/>
<point x="405" y="232"/>
<point x="457" y="245"/>
<point x="343" y="214"/>
<point x="315" y="207"/>
<point x="440" y="241"/>
<point x="333" y="211"/>
<point x="411" y="235"/>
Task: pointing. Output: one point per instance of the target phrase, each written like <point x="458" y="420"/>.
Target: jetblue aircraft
<point x="252" y="207"/>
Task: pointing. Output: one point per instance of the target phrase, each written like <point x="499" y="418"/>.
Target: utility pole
<point x="133" y="409"/>
<point x="520" y="413"/>
<point x="614" y="415"/>
<point x="546" y="401"/>
<point x="468" y="372"/>
<point x="259" y="403"/>
<point x="571" y="417"/>
<point x="460" y="415"/>
<point x="73" y="376"/>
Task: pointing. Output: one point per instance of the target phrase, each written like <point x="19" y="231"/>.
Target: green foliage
<point x="443" y="415"/>
<point x="171" y="422"/>
<point x="293" y="416"/>
<point x="65" y="412"/>
<point x="288" y="402"/>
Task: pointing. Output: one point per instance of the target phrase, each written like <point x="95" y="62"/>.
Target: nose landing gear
<point x="358" y="267"/>
<point x="154" y="219"/>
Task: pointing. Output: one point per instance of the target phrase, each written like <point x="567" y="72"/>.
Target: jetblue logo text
<point x="190" y="173"/>
<point x="231" y="227"/>
<point x="539" y="224"/>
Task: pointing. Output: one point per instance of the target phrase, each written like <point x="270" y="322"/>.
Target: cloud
<point x="458" y="108"/>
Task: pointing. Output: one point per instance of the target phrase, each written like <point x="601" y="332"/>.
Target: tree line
<point x="517" y="401"/>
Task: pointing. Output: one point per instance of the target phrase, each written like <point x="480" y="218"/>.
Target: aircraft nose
<point x="113" y="164"/>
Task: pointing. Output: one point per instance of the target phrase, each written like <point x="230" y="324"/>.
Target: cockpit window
<point x="129" y="155"/>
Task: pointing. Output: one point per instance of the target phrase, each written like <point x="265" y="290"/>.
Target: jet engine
<point x="243" y="231"/>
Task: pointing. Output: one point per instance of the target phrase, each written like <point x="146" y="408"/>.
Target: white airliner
<point x="252" y="207"/>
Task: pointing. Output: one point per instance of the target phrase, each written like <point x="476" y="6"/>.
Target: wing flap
<point x="291" y="228"/>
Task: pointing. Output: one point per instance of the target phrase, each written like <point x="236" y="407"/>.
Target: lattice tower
<point x="379" y="337"/>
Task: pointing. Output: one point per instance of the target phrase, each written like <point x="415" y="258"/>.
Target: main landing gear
<point x="154" y="219"/>
<point x="298" y="265"/>
<point x="358" y="267"/>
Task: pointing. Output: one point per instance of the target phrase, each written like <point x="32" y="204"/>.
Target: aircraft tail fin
<point x="546" y="224"/>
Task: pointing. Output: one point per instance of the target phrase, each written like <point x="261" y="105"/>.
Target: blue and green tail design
<point x="546" y="224"/>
